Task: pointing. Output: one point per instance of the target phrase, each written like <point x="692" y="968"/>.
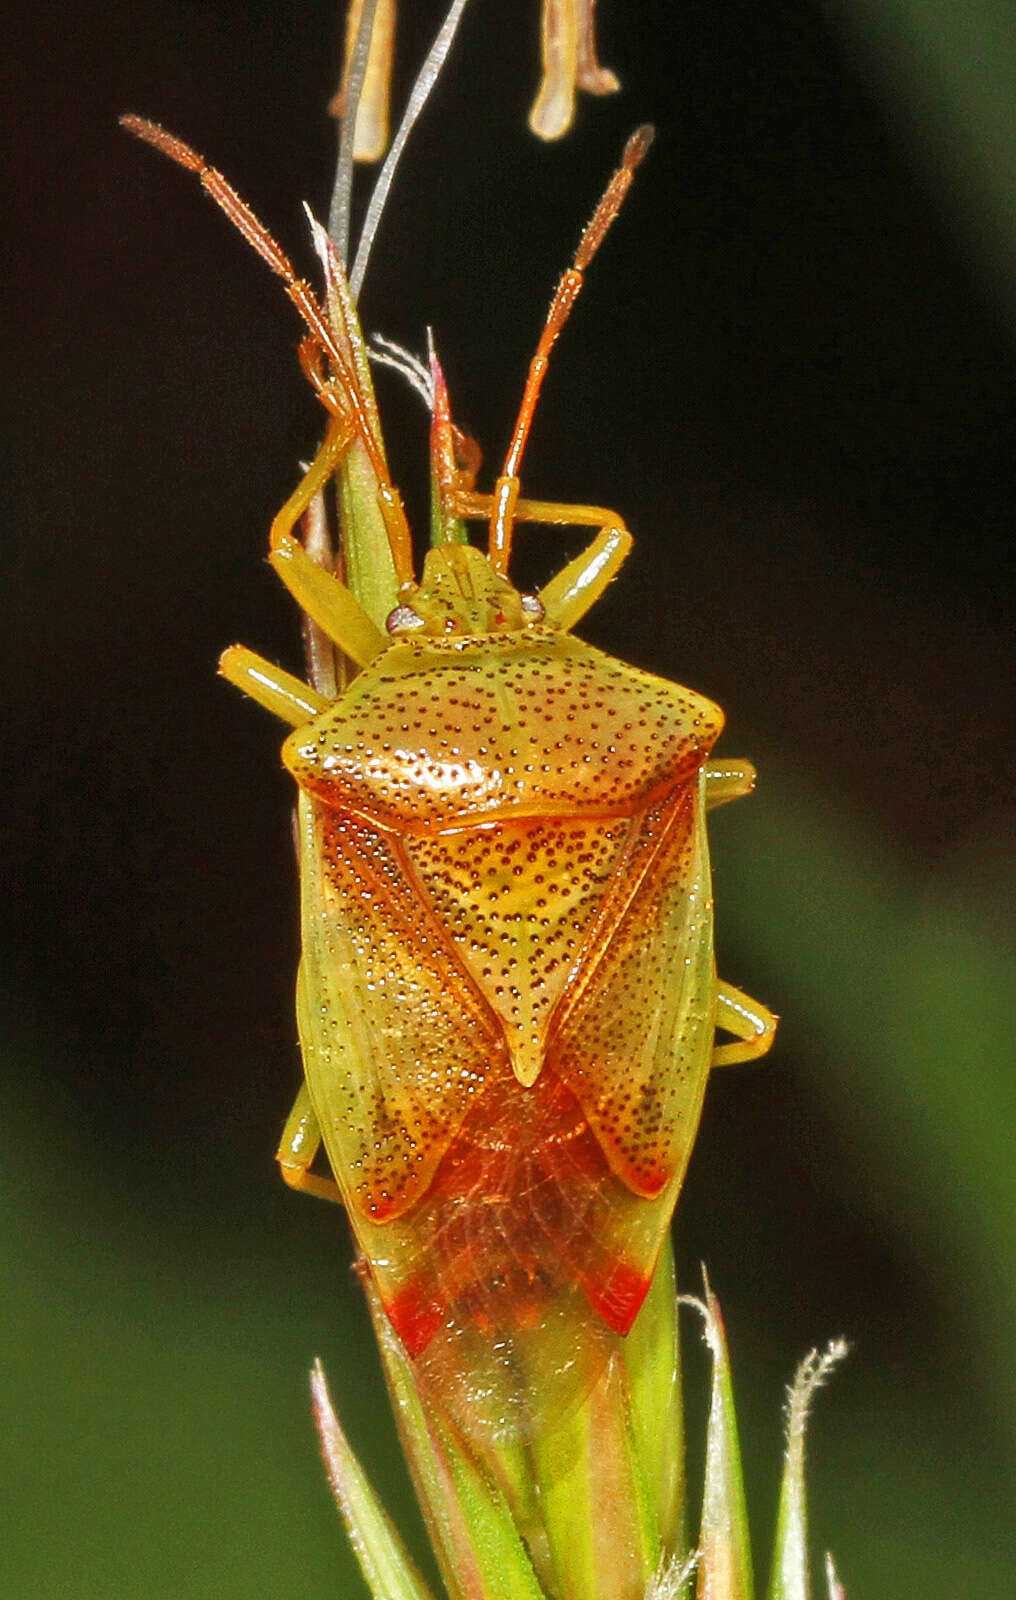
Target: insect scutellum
<point x="460" y="589"/>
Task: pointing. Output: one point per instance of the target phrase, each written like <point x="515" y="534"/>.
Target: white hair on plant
<point x="811" y="1374"/>
<point x="671" y="1577"/>
<point x="389" y="354"/>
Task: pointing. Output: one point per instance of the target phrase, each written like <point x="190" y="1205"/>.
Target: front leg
<point x="569" y="595"/>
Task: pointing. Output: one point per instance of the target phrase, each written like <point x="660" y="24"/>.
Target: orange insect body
<point x="507" y="991"/>
<point x="508" y="997"/>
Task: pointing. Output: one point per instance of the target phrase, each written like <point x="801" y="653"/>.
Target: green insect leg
<point x="327" y="602"/>
<point x="727" y="780"/>
<point x="568" y="596"/>
<point x="752" y="1025"/>
<point x="279" y="692"/>
<point x="298" y="1147"/>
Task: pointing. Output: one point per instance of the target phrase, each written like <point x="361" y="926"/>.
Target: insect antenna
<point x="506" y="490"/>
<point x="306" y="302"/>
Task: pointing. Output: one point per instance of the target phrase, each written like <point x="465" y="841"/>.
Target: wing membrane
<point x="511" y="1279"/>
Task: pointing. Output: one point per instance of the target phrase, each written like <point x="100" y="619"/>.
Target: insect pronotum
<point x="508" y="997"/>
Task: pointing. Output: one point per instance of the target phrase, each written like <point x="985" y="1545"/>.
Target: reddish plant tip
<point x="168" y="143"/>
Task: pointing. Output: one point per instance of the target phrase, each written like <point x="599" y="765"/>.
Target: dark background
<point x="792" y="372"/>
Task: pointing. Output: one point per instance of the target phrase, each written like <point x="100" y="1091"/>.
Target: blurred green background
<point x="793" y="372"/>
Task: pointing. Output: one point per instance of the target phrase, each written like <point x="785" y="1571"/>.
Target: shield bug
<point x="508" y="997"/>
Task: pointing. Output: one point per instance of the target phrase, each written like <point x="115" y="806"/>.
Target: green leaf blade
<point x="725" y="1567"/>
<point x="386" y="1564"/>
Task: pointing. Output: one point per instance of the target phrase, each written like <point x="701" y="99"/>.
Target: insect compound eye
<point x="403" y="620"/>
<point x="532" y="607"/>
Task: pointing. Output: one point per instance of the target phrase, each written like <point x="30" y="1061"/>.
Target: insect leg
<point x="338" y="437"/>
<point x="571" y="592"/>
<point x="279" y="692"/>
<point x="751" y="1024"/>
<point x="327" y="602"/>
<point x="300" y="1143"/>
<point x="569" y="595"/>
<point x="727" y="780"/>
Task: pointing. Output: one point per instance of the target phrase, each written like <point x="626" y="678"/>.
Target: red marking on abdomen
<point x="619" y="1298"/>
<point x="523" y="1214"/>
<point x="415" y="1318"/>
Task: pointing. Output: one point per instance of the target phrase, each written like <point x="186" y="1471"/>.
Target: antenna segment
<point x="506" y="490"/>
<point x="303" y="297"/>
